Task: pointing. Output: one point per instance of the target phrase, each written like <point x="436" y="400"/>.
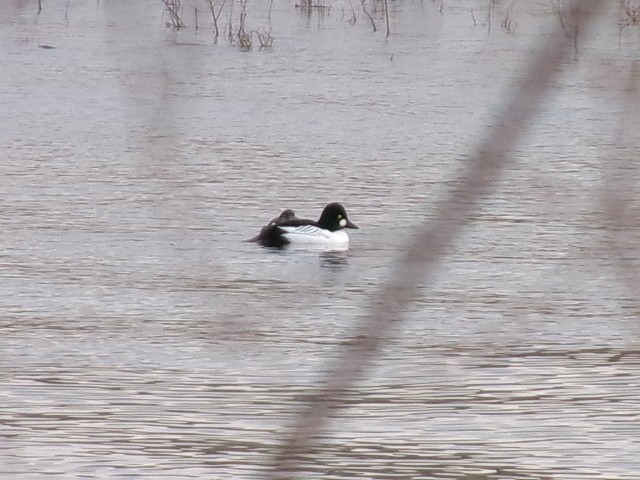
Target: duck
<point x="328" y="232"/>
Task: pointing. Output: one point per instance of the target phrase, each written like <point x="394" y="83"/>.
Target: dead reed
<point x="309" y="5"/>
<point x="508" y="24"/>
<point x="363" y="4"/>
<point x="173" y="8"/>
<point x="630" y="12"/>
<point x="570" y="24"/>
<point x="264" y="38"/>
<point x="215" y="14"/>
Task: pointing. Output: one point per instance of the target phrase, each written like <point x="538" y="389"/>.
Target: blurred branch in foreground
<point x="621" y="213"/>
<point x="431" y="242"/>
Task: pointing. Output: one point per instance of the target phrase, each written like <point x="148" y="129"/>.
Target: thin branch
<point x="386" y="15"/>
<point x="364" y="9"/>
<point x="216" y="16"/>
<point x="353" y="18"/>
<point x="230" y="26"/>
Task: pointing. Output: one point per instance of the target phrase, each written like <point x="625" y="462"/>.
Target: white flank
<point x="310" y="236"/>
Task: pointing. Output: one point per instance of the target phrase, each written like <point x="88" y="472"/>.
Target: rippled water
<point x="141" y="337"/>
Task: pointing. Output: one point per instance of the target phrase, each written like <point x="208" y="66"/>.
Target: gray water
<point x="140" y="337"/>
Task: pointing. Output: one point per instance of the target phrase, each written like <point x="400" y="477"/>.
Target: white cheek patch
<point x="343" y="223"/>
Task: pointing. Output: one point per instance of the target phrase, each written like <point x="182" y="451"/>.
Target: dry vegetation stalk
<point x="366" y="12"/>
<point x="386" y="16"/>
<point x="174" y="10"/>
<point x="216" y="16"/>
<point x="430" y="243"/>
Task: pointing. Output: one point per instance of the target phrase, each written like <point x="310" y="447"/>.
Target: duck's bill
<point x="351" y="225"/>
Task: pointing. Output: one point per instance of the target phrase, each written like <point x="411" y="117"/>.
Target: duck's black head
<point x="334" y="217"/>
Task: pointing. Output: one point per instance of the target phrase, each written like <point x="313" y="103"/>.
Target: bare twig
<point x="629" y="16"/>
<point x="265" y="38"/>
<point x="173" y="8"/>
<point x="428" y="246"/>
<point x="570" y="25"/>
<point x="631" y="12"/>
<point x="386" y="15"/>
<point x="507" y="21"/>
<point x="230" y="26"/>
<point x="244" y="39"/>
<point x="364" y="9"/>
<point x="216" y="16"/>
<point x="353" y="18"/>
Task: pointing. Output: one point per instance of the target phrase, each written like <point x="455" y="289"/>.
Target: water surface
<point x="142" y="338"/>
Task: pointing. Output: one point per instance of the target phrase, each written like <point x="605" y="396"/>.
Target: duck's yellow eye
<point x="339" y="217"/>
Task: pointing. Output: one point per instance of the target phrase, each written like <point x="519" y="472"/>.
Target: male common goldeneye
<point x="325" y="233"/>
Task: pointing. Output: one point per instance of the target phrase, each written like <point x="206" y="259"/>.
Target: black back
<point x="270" y="235"/>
